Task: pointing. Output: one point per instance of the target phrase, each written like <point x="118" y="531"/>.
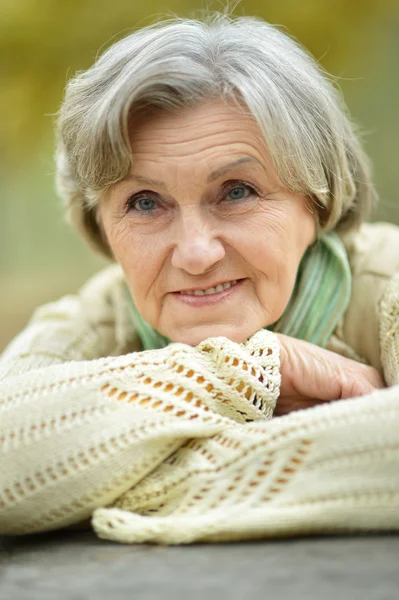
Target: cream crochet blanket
<point x="179" y="445"/>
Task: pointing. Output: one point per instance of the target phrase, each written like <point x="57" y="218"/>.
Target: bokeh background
<point x="44" y="42"/>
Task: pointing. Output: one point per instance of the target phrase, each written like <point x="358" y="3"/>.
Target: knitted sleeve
<point x="330" y="469"/>
<point x="76" y="435"/>
<point x="389" y="331"/>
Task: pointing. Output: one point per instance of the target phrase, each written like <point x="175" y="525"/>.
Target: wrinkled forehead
<point x="210" y="111"/>
<point x="213" y="137"/>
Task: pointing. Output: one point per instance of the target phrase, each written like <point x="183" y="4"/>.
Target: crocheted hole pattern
<point x="302" y="473"/>
<point x="217" y="473"/>
<point x="237" y="381"/>
<point x="173" y="394"/>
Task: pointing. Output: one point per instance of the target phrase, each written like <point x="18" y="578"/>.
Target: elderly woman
<point x="214" y="163"/>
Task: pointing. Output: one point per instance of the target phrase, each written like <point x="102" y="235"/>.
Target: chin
<point x="196" y="336"/>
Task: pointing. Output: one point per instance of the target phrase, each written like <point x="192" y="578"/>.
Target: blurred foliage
<point x="44" y="42"/>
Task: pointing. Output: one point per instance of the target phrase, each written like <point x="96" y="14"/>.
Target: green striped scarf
<point x="320" y="297"/>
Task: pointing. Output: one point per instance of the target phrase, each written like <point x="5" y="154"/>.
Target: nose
<point x="197" y="249"/>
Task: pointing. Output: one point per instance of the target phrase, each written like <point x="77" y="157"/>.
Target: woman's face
<point x="208" y="238"/>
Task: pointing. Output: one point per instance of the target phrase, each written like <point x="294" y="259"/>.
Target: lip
<point x="199" y="287"/>
<point x="209" y="300"/>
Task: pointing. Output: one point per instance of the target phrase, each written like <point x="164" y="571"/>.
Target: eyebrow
<point x="211" y="177"/>
<point x="215" y="174"/>
<point x="146" y="181"/>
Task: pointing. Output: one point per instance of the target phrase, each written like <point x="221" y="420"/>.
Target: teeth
<point x="212" y="290"/>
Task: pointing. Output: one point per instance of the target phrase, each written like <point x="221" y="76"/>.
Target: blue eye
<point x="143" y="204"/>
<point x="239" y="192"/>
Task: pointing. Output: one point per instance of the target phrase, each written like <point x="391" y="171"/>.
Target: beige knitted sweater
<point x="180" y="444"/>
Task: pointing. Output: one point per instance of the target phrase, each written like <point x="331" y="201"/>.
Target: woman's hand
<point x="311" y="375"/>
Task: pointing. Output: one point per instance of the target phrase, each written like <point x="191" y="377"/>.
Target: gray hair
<point x="183" y="62"/>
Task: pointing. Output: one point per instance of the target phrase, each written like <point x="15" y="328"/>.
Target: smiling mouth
<point x="212" y="290"/>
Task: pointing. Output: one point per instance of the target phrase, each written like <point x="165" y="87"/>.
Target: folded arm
<point x="77" y="433"/>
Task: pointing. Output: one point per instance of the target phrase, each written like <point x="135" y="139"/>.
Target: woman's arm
<point x="88" y="325"/>
<point x="77" y="327"/>
<point x="76" y="435"/>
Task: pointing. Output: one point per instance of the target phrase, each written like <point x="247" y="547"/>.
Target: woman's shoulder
<point x="102" y="302"/>
<point x="99" y="301"/>
<point x="373" y="250"/>
<point x="92" y="323"/>
<point x="373" y="253"/>
<point x="103" y="289"/>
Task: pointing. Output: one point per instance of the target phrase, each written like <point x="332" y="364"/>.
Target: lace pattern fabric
<point x="126" y="414"/>
<point x="300" y="474"/>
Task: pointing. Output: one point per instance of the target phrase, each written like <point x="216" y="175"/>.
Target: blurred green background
<point x="44" y="42"/>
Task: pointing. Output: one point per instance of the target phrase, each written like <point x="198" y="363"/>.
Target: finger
<point x="287" y="405"/>
<point x="359" y="386"/>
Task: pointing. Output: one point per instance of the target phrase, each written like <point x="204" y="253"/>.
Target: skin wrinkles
<point x="195" y="235"/>
<point x="211" y="177"/>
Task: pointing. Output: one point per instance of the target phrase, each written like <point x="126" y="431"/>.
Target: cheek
<point x="269" y="240"/>
<point x="140" y="260"/>
<point x="275" y="242"/>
